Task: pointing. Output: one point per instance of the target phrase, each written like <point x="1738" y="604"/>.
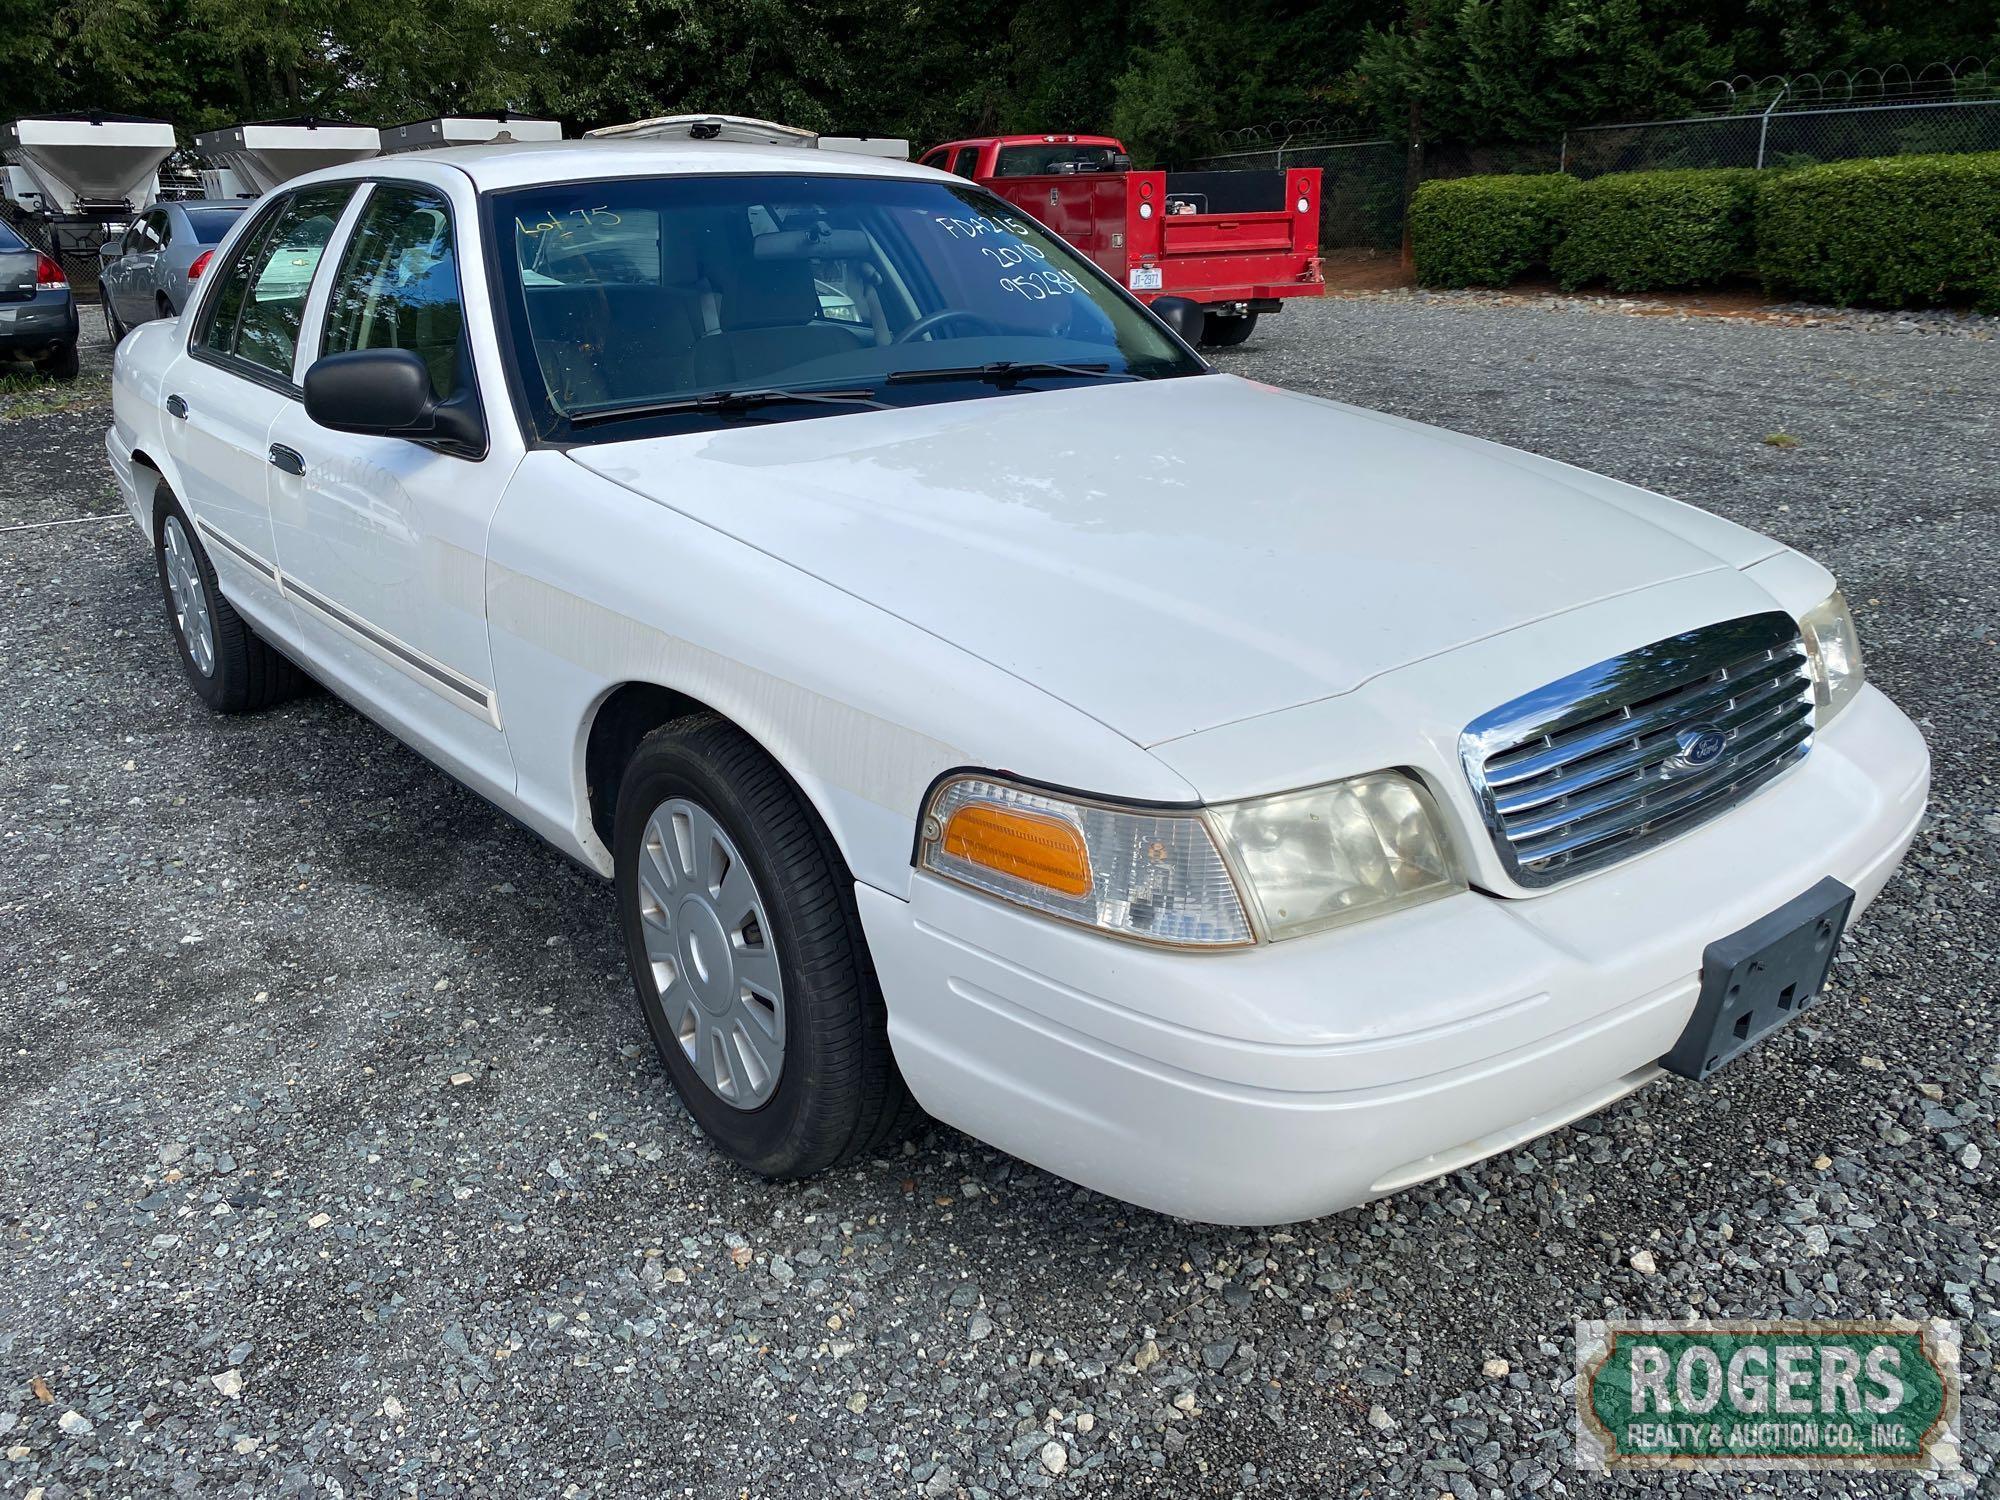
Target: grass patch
<point x="26" y="394"/>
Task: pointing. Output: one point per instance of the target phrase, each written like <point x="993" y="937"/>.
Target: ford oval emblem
<point x="1700" y="746"/>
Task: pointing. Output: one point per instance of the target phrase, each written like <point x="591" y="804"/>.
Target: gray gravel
<point x="335" y="1160"/>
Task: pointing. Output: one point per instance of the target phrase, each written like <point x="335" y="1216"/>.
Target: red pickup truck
<point x="1238" y="243"/>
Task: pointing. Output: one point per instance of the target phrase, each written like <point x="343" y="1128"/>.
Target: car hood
<point x="1168" y="556"/>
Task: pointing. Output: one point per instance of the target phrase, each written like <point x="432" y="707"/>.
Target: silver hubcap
<point x="710" y="948"/>
<point x="190" y="598"/>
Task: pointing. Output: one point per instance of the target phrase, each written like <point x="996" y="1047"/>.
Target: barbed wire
<point x="1967" y="78"/>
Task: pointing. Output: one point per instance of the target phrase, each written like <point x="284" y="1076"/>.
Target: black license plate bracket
<point x="1761" y="978"/>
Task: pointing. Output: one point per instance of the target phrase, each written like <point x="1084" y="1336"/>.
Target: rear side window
<point x="398" y="284"/>
<point x="968" y="161"/>
<point x="263" y="301"/>
<point x="211" y="224"/>
<point x="10" y="240"/>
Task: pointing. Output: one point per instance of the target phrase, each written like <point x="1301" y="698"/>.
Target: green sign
<point x="1861" y="1395"/>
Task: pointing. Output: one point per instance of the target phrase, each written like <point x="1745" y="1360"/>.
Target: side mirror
<point x="387" y="393"/>
<point x="109" y="250"/>
<point x="1120" y="162"/>
<point x="1181" y="314"/>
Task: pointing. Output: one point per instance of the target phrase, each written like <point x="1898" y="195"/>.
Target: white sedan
<point x="1240" y="803"/>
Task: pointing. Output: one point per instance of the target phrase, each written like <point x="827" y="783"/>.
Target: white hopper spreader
<point x="264" y="153"/>
<point x="85" y="166"/>
<point x="467" y="130"/>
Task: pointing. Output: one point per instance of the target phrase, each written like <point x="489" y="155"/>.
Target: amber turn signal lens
<point x="1042" y="851"/>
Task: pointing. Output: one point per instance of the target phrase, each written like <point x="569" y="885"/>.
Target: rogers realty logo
<point x="1864" y="1395"/>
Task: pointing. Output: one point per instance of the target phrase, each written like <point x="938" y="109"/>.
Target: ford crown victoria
<point x="1240" y="803"/>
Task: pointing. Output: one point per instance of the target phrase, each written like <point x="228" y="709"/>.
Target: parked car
<point x="37" y="312"/>
<point x="1241" y="803"/>
<point x="151" y="270"/>
<point x="1239" y="243"/>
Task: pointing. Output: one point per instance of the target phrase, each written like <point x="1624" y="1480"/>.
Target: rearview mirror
<point x="387" y="393"/>
<point x="1182" y="315"/>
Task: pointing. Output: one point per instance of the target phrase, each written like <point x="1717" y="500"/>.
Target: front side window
<point x="630" y="295"/>
<point x="263" y="299"/>
<point x="398" y="283"/>
<point x="160" y="224"/>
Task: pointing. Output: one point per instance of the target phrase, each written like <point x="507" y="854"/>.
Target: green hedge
<point x="1651" y="231"/>
<point x="1485" y="231"/>
<point x="1895" y="229"/>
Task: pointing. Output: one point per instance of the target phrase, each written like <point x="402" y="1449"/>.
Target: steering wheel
<point x="941" y="317"/>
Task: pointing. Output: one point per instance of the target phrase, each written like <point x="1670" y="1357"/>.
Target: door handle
<point x="286" y="459"/>
<point x="176" y="406"/>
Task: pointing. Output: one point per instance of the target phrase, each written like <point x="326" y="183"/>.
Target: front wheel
<point x="747" y="955"/>
<point x="1227" y="330"/>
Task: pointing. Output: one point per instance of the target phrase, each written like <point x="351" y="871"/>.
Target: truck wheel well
<point x="627" y="716"/>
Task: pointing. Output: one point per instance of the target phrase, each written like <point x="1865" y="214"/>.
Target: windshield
<point x="1041" y="161"/>
<point x="211" y="224"/>
<point x="643" y="293"/>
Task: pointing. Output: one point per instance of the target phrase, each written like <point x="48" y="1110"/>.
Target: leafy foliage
<point x="1898" y="230"/>
<point x="1649" y="231"/>
<point x="1169" y="75"/>
<point x="1485" y="231"/>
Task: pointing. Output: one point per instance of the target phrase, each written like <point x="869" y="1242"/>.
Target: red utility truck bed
<point x="1238" y="243"/>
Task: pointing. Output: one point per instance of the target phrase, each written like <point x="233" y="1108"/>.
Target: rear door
<point x="382" y="539"/>
<point x="237" y="376"/>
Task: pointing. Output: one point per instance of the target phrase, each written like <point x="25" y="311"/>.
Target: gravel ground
<point x="335" y="1160"/>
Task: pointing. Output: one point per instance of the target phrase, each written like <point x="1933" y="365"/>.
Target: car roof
<point x="235" y="203"/>
<point x="532" y="163"/>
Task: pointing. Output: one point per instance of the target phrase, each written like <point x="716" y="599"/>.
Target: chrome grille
<point x="1612" y="760"/>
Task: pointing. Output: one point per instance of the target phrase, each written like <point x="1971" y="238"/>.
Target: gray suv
<point x="37" y="313"/>
<point x="150" y="271"/>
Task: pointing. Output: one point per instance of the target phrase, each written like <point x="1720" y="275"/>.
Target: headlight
<point x="1302" y="861"/>
<point x="1833" y="654"/>
<point x="1130" y="871"/>
<point x="1356" y="848"/>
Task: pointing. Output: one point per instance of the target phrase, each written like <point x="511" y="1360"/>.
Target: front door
<point x="383" y="540"/>
<point x="223" y="395"/>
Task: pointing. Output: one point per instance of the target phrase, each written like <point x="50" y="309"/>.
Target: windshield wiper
<point x="1008" y="372"/>
<point x="724" y="401"/>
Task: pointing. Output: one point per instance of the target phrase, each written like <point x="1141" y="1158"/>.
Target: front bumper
<point x="1286" y="1081"/>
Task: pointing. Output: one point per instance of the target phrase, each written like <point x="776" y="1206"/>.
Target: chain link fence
<point x="1769" y="123"/>
<point x="71" y="245"/>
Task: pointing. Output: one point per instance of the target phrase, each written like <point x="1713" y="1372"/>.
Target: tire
<point x="113" y="324"/>
<point x="1227" y="330"/>
<point x="227" y="665"/>
<point x="834" y="1092"/>
<point x="165" y="306"/>
<point x="60" y="363"/>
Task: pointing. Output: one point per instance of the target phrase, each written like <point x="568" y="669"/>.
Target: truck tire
<point x="229" y="667"/>
<point x="747" y="953"/>
<point x="1227" y="330"/>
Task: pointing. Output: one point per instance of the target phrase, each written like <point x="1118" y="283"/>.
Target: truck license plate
<point x="1762" y="978"/>
<point x="1146" y="278"/>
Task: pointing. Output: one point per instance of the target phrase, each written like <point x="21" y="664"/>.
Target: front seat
<point x="767" y="310"/>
